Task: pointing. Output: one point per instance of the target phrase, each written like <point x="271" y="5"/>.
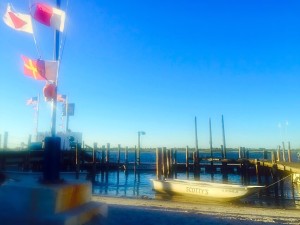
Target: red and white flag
<point x="18" y="21"/>
<point x="40" y="69"/>
<point x="50" y="16"/>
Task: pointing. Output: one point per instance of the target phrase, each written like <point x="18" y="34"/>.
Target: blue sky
<point x="155" y="65"/>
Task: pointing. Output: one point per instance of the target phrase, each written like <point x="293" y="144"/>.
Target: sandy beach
<point x="151" y="211"/>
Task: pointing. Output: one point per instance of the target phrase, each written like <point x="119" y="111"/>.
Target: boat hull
<point x="207" y="190"/>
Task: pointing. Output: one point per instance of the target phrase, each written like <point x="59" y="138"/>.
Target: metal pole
<point x="138" y="150"/>
<point x="37" y="117"/>
<point x="51" y="164"/>
<point x="196" y="138"/>
<point x="224" y="144"/>
<point x="210" y="140"/>
<point x="56" y="57"/>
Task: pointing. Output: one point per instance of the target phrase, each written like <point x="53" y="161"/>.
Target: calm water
<point x="138" y="185"/>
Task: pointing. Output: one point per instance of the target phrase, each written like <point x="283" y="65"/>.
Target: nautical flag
<point x="40" y="69"/>
<point x="50" y="16"/>
<point x="61" y="98"/>
<point x="18" y="21"/>
<point x="32" y="101"/>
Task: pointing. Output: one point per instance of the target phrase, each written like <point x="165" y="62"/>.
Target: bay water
<point x="137" y="184"/>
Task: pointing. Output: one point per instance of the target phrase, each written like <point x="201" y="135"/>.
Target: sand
<point x="152" y="211"/>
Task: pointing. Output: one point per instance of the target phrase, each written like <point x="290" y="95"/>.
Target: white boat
<point x="207" y="190"/>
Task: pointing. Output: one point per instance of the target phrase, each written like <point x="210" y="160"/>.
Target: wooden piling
<point x="164" y="162"/>
<point x="158" y="163"/>
<point x="224" y="142"/>
<point x="119" y="155"/>
<point x="196" y="139"/>
<point x="273" y="157"/>
<point x="222" y="152"/>
<point x="103" y="155"/>
<point x="169" y="163"/>
<point x="210" y="146"/>
<point x="278" y="154"/>
<point x="289" y="152"/>
<point x="187" y="158"/>
<point x="258" y="171"/>
<point x="240" y="152"/>
<point x="210" y="139"/>
<point x="107" y="153"/>
<point x="126" y="156"/>
<point x="196" y="166"/>
<point x="283" y="152"/>
<point x="175" y="164"/>
<point x="94" y="152"/>
<point x="135" y="157"/>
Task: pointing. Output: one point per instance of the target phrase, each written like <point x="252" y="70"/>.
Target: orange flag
<point x="40" y="69"/>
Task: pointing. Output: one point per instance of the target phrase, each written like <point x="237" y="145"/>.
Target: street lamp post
<point x="139" y="146"/>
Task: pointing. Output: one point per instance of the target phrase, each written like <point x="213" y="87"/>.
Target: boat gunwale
<point x="212" y="184"/>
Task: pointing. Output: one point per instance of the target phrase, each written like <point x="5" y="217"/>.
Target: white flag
<point x="18" y="21"/>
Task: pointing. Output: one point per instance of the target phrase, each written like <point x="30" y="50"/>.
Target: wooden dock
<point x="96" y="159"/>
<point x="283" y="166"/>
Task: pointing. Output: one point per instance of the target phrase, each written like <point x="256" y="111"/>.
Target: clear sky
<point x="154" y="65"/>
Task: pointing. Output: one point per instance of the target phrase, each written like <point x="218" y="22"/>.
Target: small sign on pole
<point x="70" y="109"/>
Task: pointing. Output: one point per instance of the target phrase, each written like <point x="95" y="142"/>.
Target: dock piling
<point x="164" y="162"/>
<point x="175" y="164"/>
<point x="158" y="163"/>
<point x="283" y="152"/>
<point x="278" y="154"/>
<point x="119" y="155"/>
<point x="107" y="153"/>
<point x="187" y="158"/>
<point x="103" y="155"/>
<point x="289" y="152"/>
<point x="126" y="156"/>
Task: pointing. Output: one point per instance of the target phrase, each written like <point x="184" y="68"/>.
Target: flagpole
<point x="51" y="165"/>
<point x="37" y="117"/>
<point x="56" y="57"/>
